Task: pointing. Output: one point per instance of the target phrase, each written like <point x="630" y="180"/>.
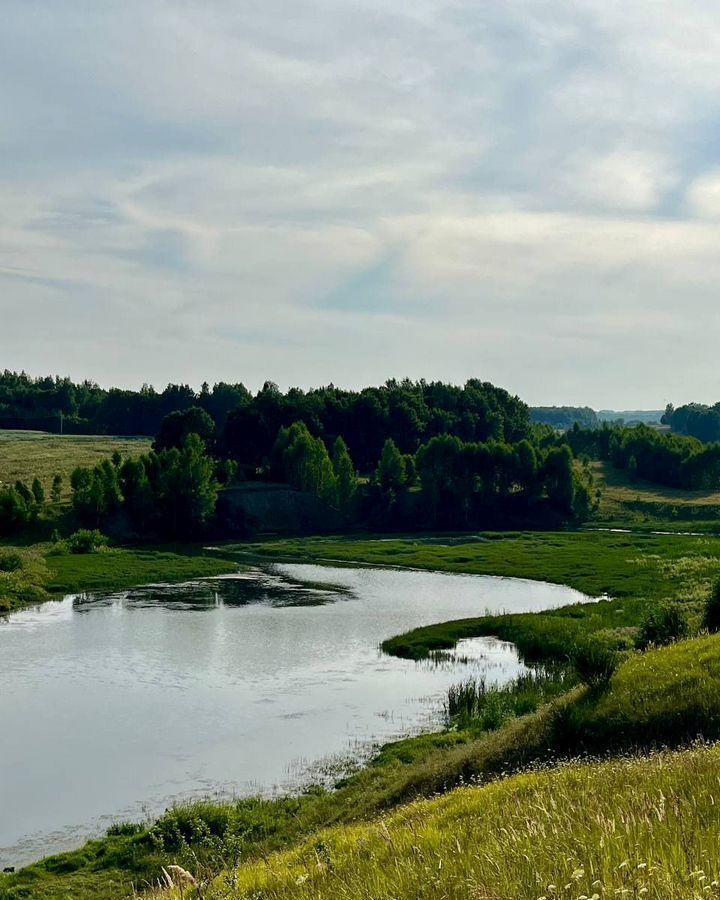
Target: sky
<point x="345" y="191"/>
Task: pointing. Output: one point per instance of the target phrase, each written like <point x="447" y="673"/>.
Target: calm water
<point x="114" y="706"/>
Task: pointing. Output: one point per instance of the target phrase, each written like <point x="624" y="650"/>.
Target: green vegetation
<point x="627" y="502"/>
<point x="665" y="696"/>
<point x="629" y="827"/>
<point x="25" y="455"/>
<point x="644" y="452"/>
<point x="23" y="577"/>
<point x="46" y="571"/>
<point x="121" y="568"/>
<point x="695" y="419"/>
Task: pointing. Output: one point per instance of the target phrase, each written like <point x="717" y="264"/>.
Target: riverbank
<point x="630" y="572"/>
<point x="44" y="572"/>
<point x="678" y="689"/>
<point x="666" y="696"/>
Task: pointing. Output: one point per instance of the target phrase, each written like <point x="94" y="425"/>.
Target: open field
<point x="25" y="455"/>
<point x="639" y="503"/>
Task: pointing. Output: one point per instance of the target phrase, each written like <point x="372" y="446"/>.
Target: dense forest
<point x="403" y="455"/>
<point x="247" y="425"/>
<point x="667" y="459"/>
<point x="694" y="419"/>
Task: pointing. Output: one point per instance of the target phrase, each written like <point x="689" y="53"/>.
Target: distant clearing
<point x="25" y="455"/>
<point x="624" y="500"/>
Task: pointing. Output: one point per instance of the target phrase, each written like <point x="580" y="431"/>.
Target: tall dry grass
<point x="633" y="827"/>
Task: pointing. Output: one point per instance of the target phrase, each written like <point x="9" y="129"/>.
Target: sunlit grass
<point x="24" y="583"/>
<point x="25" y="455"/>
<point x="635" y="828"/>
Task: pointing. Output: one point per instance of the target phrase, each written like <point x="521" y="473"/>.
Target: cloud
<point x="330" y="190"/>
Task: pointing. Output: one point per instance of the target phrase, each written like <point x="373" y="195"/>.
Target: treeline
<point x="49" y="404"/>
<point x="245" y="426"/>
<point x="695" y="420"/>
<point x="667" y="459"/>
<point x="176" y="491"/>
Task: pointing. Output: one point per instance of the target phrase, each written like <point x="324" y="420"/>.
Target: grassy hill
<point x="624" y="502"/>
<point x="639" y="828"/>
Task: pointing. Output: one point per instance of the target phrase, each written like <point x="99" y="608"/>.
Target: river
<point x="114" y="706"/>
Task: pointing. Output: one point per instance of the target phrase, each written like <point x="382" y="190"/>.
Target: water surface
<point x="114" y="706"/>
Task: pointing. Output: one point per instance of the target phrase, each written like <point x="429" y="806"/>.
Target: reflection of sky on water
<point x="115" y="705"/>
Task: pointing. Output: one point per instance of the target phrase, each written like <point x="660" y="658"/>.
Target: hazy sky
<point x="309" y="191"/>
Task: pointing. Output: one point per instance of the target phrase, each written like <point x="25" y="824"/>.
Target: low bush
<point x="594" y="663"/>
<point x="86" y="541"/>
<point x="10" y="562"/>
<point x="711" y="613"/>
<point x="663" y="625"/>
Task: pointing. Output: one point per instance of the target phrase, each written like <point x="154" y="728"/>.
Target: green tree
<point x="305" y="461"/>
<point x="559" y="480"/>
<point x="176" y="426"/>
<point x="139" y="498"/>
<point x="189" y="488"/>
<point x="14" y="512"/>
<point x="391" y="472"/>
<point x="56" y="489"/>
<point x="25" y="492"/>
<point x="346" y="482"/>
<point x="38" y="491"/>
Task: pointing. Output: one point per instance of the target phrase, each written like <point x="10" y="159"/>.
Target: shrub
<point x="86" y="541"/>
<point x="10" y="562"/>
<point x="594" y="663"/>
<point x="38" y="491"/>
<point x="663" y="625"/>
<point x="14" y="512"/>
<point x="711" y="614"/>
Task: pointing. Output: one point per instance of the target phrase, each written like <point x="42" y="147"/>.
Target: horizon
<point x="340" y="191"/>
<point x="284" y="388"/>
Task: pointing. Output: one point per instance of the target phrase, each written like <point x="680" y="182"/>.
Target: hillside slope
<point x="629" y="827"/>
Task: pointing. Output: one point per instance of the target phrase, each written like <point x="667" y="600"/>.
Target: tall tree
<point x="346" y="482"/>
<point x="391" y="473"/>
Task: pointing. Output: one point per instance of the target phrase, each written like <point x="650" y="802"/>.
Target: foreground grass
<point x="667" y="696"/>
<point x="629" y="827"/>
<point x="25" y="455"/>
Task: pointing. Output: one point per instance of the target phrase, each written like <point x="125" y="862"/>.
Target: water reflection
<point x="254" y="585"/>
<point x="143" y="699"/>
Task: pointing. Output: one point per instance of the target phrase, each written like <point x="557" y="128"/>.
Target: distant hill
<point x="632" y="416"/>
<point x="564" y="417"/>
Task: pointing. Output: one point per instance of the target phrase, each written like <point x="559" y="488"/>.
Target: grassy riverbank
<point x="45" y="572"/>
<point x="630" y="827"/>
<point x="665" y="696"/>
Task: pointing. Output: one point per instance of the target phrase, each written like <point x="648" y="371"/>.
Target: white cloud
<point x="341" y="190"/>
